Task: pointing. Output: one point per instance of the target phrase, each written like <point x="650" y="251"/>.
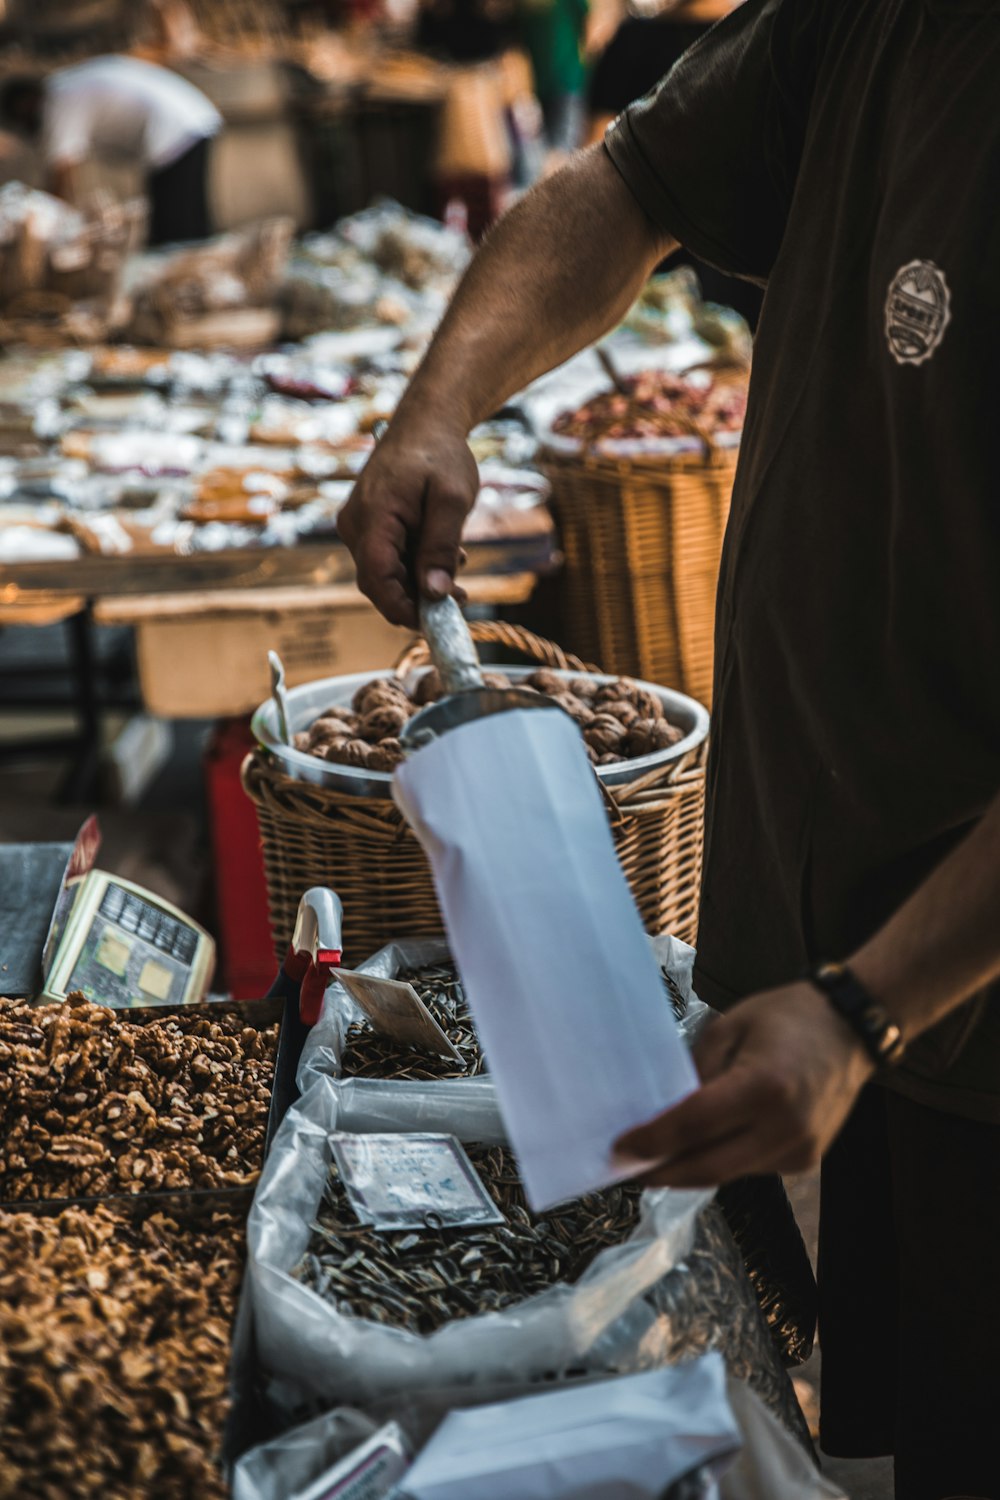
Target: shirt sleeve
<point x="66" y="128"/>
<point x="712" y="153"/>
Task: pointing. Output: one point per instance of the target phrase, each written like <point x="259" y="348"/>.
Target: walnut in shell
<point x="342" y="712"/>
<point x="332" y="750"/>
<point x="621" y="709"/>
<point x="647" y="703"/>
<point x="354" y="753"/>
<point x="547" y="682"/>
<point x="386" y="755"/>
<point x="428" y="689"/>
<point x="646" y="736"/>
<point x="605" y="735"/>
<point x="380" y="692"/>
<point x="329" y="727"/>
<point x="382" y="723"/>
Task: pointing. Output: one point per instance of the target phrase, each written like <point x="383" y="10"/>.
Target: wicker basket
<point x="362" y="846"/>
<point x="642" y="541"/>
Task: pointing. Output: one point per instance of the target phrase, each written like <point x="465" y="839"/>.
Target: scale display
<point x="125" y="947"/>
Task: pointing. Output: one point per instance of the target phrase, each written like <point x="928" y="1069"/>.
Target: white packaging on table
<point x="624" y="1439"/>
<point x="559" y="974"/>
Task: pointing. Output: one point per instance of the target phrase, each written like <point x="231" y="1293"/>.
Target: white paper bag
<point x="559" y="974"/>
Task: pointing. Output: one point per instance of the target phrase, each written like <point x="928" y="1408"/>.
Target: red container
<point x="247" y="966"/>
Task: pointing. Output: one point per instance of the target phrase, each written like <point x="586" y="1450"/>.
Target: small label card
<point x="370" y="1472"/>
<point x="412" y="1181"/>
<point x="397" y="1011"/>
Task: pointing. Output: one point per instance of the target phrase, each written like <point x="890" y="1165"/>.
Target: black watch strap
<point x="882" y="1038"/>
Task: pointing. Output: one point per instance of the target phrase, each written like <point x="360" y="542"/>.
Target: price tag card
<point x="397" y="1011"/>
<point x="412" y="1181"/>
<point x="371" y="1472"/>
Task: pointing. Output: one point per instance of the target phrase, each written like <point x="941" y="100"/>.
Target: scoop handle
<point x="452" y="648"/>
<point x="280" y="697"/>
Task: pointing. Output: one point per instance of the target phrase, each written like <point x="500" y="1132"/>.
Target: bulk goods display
<point x="325" y="819"/>
<point x="115" y="1339"/>
<point x="641" y="483"/>
<point x="297" y="1246"/>
<point x="95" y="1101"/>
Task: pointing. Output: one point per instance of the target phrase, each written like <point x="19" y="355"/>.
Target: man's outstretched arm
<point x="781" y="1070"/>
<point x="558" y="271"/>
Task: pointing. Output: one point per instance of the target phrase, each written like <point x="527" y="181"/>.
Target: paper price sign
<point x="412" y="1181"/>
<point x="397" y="1011"/>
<point x="371" y="1472"/>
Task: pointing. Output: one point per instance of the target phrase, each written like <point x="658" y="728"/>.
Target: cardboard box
<point x="212" y="663"/>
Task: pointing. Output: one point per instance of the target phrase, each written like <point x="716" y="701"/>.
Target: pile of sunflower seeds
<point x="419" y="1281"/>
<point x="369" y="1055"/>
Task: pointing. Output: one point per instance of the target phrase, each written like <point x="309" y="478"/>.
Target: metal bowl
<point x="305" y="704"/>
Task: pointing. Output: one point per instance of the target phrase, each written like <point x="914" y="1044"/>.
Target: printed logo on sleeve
<point x="917" y="312"/>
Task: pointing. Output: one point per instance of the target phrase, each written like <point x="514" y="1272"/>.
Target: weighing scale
<point x="122" y="946"/>
<point x="114" y="941"/>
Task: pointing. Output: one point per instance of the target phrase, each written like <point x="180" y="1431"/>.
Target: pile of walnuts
<point x="114" y="1346"/>
<point x="95" y="1101"/>
<point x="619" y="720"/>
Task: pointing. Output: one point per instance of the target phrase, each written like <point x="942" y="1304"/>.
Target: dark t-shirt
<point x="846" y="153"/>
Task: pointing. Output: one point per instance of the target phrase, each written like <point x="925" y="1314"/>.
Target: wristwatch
<point x="882" y="1038"/>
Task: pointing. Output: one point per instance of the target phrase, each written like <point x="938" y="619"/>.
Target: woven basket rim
<point x="618" y="468"/>
<point x="647" y="794"/>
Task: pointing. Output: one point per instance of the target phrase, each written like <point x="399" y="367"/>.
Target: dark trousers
<point x="178" y="198"/>
<point x="909" y="1302"/>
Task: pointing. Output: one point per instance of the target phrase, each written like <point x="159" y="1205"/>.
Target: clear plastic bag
<point x="676" y="1288"/>
<point x="323" y="1052"/>
<point x="602" y="1323"/>
<point x="278" y="1468"/>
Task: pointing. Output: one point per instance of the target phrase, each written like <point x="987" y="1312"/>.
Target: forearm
<point x="63" y="181"/>
<point x="558" y="271"/>
<point x="944" y="943"/>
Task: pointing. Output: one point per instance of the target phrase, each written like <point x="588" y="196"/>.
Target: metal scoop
<point x="280" y="696"/>
<point x="453" y="652"/>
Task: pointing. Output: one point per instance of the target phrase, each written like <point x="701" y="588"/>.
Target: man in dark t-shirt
<point x="845" y="154"/>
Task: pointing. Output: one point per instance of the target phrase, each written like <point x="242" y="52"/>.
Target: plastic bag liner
<point x="601" y="1323"/>
<point x="769" y="1466"/>
<point x="757" y="1209"/>
<point x="633" y="1437"/>
<point x="288" y="1463"/>
<point x="323" y="1052"/>
<point x="626" y="1313"/>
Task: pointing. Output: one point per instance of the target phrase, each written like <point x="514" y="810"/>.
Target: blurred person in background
<point x="644" y="47"/>
<point x="474" y="161"/>
<point x="123" y="107"/>
<point x="641" y="52"/>
<point x="552" y="33"/>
